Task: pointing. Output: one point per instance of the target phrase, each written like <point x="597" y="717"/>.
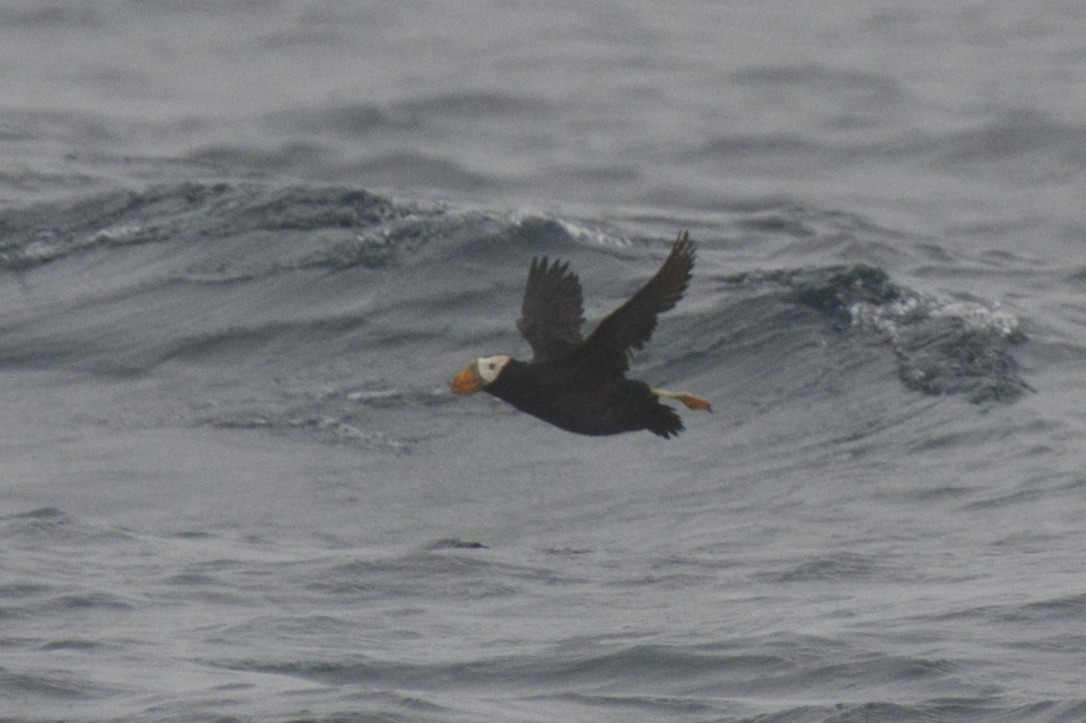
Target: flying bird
<point x="577" y="384"/>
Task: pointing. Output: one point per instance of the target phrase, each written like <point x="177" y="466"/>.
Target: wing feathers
<point x="629" y="327"/>
<point x="552" y="311"/>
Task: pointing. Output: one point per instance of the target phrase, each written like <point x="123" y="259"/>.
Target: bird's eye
<point x="491" y="366"/>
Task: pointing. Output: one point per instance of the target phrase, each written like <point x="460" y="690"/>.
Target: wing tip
<point x="543" y="265"/>
<point x="683" y="245"/>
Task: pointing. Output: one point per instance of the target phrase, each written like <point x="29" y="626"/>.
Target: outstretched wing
<point x="629" y="327"/>
<point x="552" y="312"/>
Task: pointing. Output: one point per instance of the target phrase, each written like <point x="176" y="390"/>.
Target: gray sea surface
<point x="245" y="246"/>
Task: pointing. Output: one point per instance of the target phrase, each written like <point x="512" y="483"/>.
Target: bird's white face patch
<point x="491" y="366"/>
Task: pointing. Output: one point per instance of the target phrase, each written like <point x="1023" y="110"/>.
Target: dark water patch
<point x="733" y="147"/>
<point x="338" y="672"/>
<point x="650" y="662"/>
<point x="871" y="87"/>
<point x="88" y="602"/>
<point x="325" y="631"/>
<point x="658" y="663"/>
<point x="442" y="573"/>
<point x="452" y="543"/>
<point x="671" y="580"/>
<point x="841" y="567"/>
<point x="349" y="119"/>
<point x="568" y="551"/>
<point x="355" y="119"/>
<point x="1067" y="608"/>
<point x="221" y="581"/>
<point x="49" y="231"/>
<point x="192" y="212"/>
<point x="471" y="105"/>
<point x="935" y="494"/>
<point x="647" y="706"/>
<point x="23" y="589"/>
<point x="79" y="644"/>
<point x="35" y="17"/>
<point x="14" y="132"/>
<point x="965" y="710"/>
<point x="304" y="208"/>
<point x="293" y="156"/>
<point x="593" y="175"/>
<point x="192" y="535"/>
<point x="873" y="674"/>
<point x="391" y="706"/>
<point x="945" y="356"/>
<point x="835" y="291"/>
<point x="778" y="223"/>
<point x="941" y="440"/>
<point x="1076" y="275"/>
<point x="24" y="686"/>
<point x="1032" y="489"/>
<point x="1060" y="712"/>
<point x="641" y="680"/>
<point x="42" y="513"/>
<point x="1017" y="135"/>
<point x="51" y="526"/>
<point x="875" y="713"/>
<point x="941" y="349"/>
<point x="193" y="579"/>
<point x="1030" y="540"/>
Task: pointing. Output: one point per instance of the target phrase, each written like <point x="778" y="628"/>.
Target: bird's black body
<point x="577" y="384"/>
<point x="560" y="393"/>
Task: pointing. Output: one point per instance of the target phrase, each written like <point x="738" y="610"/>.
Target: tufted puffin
<point x="577" y="384"/>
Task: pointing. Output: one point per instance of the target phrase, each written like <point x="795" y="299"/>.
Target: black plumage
<point x="579" y="384"/>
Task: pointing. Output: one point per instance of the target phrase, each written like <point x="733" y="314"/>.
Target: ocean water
<point x="245" y="246"/>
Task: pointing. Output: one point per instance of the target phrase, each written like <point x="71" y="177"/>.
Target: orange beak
<point x="468" y="380"/>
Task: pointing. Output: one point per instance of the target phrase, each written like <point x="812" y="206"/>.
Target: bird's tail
<point x="664" y="421"/>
